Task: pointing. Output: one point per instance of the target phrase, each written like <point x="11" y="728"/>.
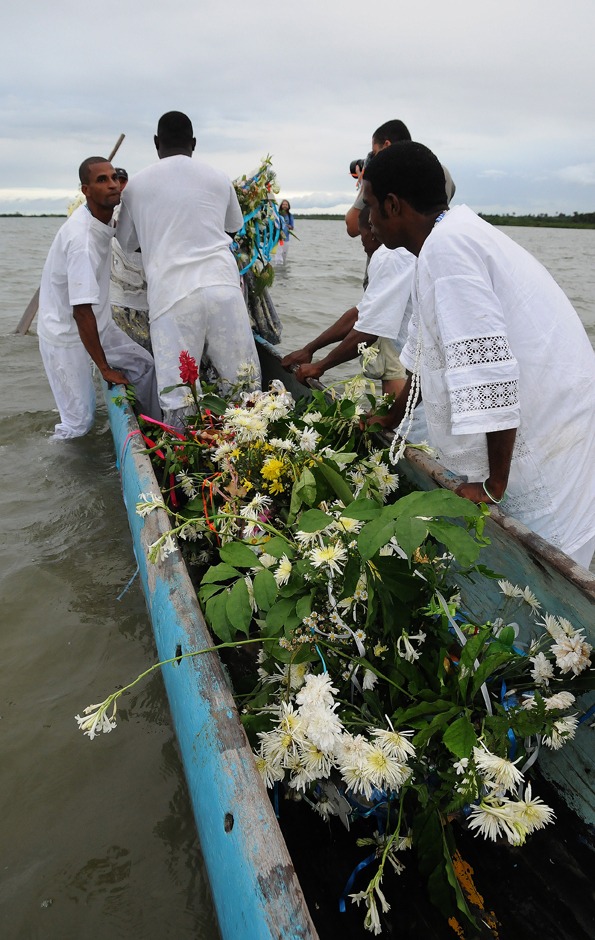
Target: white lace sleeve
<point x="481" y="374"/>
<point x="407" y="354"/>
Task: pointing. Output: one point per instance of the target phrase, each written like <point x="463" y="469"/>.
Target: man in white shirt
<point x="179" y="211"/>
<point x="507" y="370"/>
<point x="128" y="284"/>
<point x="75" y="320"/>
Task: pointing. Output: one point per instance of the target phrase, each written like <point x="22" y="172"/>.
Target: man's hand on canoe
<point x="114" y="377"/>
<point x="298" y="358"/>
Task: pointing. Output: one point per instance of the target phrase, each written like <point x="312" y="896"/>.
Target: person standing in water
<point x="181" y="213"/>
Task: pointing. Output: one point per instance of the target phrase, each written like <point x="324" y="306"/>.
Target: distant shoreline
<point x="577" y="220"/>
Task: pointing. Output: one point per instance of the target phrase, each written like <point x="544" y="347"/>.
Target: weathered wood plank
<point x="29" y="314"/>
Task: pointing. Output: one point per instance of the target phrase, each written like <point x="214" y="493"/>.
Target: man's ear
<point x="85" y="189"/>
<point x="194" y="143"/>
<point x="387" y="143"/>
<point x="392" y="204"/>
<point x="156" y="142"/>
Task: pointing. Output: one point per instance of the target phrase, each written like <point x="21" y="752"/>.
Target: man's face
<point x="103" y="186"/>
<point x="377" y="147"/>
<point x="386" y="227"/>
<point x="123" y="182"/>
<point x="369" y="241"/>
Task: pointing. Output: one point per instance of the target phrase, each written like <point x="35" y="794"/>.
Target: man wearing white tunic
<point x="507" y="370"/>
<point x="75" y="322"/>
<point x="179" y="211"/>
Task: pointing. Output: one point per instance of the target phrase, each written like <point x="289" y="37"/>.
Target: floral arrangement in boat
<point x="373" y="693"/>
<point x="260" y="233"/>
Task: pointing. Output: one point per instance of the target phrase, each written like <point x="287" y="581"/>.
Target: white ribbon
<point x="463" y="640"/>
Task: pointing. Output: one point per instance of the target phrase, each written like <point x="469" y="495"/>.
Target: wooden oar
<point x="29" y="314"/>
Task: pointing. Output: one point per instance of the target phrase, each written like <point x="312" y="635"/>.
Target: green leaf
<point x="374" y="535"/>
<point x="278" y="615"/>
<point x="313" y="520"/>
<point x="170" y="388"/>
<point x="351" y="576"/>
<point x="220" y="573"/>
<point x="340" y="486"/>
<point x="217" y="617"/>
<point x="303" y="608"/>
<point x="238" y="607"/>
<point x="426" y="733"/>
<point x="487" y="667"/>
<point x="456" y="540"/>
<point x="410" y="532"/>
<point x="214" y="404"/>
<point x="343" y="459"/>
<point x="207" y="590"/>
<point x="437" y="502"/>
<point x="306" y="486"/>
<point x="278" y="547"/>
<point x="237" y="553"/>
<point x="402" y="584"/>
<point x="460" y="737"/>
<point x="265" y="589"/>
<point x="506" y="636"/>
<point x="424" y="708"/>
<point x="362" y="509"/>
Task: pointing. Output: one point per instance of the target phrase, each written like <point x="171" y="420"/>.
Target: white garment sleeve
<point x="481" y="373"/>
<point x="383" y="306"/>
<point x="125" y="231"/>
<point x="233" y="216"/>
<point x="81" y="268"/>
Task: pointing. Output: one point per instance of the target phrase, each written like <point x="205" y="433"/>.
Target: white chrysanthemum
<point x="357" y="777"/>
<point x="308" y="440"/>
<point x="395" y="743"/>
<point x="572" y="653"/>
<point x="317" y="690"/>
<point x="552" y="626"/>
<point x="533" y="813"/>
<point x="369" y="681"/>
<point x="542" y="670"/>
<point x="279" y="444"/>
<point x="497" y="769"/>
<point x="247" y="373"/>
<point x="385" y="771"/>
<point x="312" y="417"/>
<point x="329" y="556"/>
<point x="387" y="482"/>
<point x="563" y="731"/>
<point x="268" y="770"/>
<point x="267" y="561"/>
<point x="323" y="726"/>
<point x="316" y="762"/>
<point x="566" y="626"/>
<point x="344" y="524"/>
<point x="307" y="538"/>
<point x="560" y="700"/>
<point x="222" y="451"/>
<point x="247" y="426"/>
<point x="510" y="590"/>
<point x="283" y="572"/>
<point x="531" y="600"/>
<point x="493" y="819"/>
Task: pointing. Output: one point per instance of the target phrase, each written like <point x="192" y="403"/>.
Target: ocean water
<point x="98" y="840"/>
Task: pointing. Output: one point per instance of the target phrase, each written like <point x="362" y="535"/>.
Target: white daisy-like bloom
<point x="395" y="743"/>
<point x="563" y="731"/>
<point x="528" y="701"/>
<point x="369" y="681"/>
<point x="280" y="444"/>
<point x="357" y="777"/>
<point x="160" y="549"/>
<point x="358" y="479"/>
<point x="560" y="700"/>
<point x="297" y="675"/>
<point x="312" y="417"/>
<point x="222" y="451"/>
<point x="247" y="373"/>
<point x="147" y="502"/>
<point x="248" y="427"/>
<point x="532" y="812"/>
<point x="323" y="726"/>
<point x="387" y="482"/>
<point x="270" y="771"/>
<point x="386" y="550"/>
<point x="572" y="653"/>
<point x="308" y="538"/>
<point x="267" y="561"/>
<point x="317" y="690"/>
<point x="95" y="719"/>
<point x="493" y="818"/>
<point x="283" y="571"/>
<point x="510" y="590"/>
<point x="552" y="626"/>
<point x="273" y="409"/>
<point x="542" y="670"/>
<point x="501" y="771"/>
<point x="308" y="440"/>
<point x="315" y="761"/>
<point x="187" y="484"/>
<point x="384" y="770"/>
<point x="344" y="524"/>
<point x="460" y="766"/>
<point x="531" y="600"/>
<point x="566" y="626"/>
<point x="329" y="556"/>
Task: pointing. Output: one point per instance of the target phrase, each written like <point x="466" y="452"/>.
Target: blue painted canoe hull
<point x="256" y="892"/>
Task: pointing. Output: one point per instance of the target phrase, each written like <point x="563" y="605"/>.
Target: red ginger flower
<point x="188" y="369"/>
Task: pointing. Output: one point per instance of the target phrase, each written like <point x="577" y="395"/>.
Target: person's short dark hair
<point x="121" y="173"/>
<point x="410" y="171"/>
<point x="85" y="168"/>
<point x="175" y="129"/>
<point x="391" y="130"/>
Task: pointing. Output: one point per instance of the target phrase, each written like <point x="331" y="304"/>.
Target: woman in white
<point x="507" y="370"/>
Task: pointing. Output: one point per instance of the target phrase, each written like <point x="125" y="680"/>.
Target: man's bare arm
<point x="343" y="353"/>
<point x="500" y="448"/>
<point x="87" y="327"/>
<point x="351" y="218"/>
<point x="335" y="333"/>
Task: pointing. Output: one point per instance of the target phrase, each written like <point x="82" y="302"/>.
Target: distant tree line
<point x="560" y="220"/>
<point x="32" y="215"/>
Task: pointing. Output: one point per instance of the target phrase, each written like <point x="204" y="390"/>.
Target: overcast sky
<point x="501" y="90"/>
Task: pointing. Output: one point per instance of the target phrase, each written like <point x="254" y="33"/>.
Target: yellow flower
<point x="248" y="486"/>
<point x="276" y="487"/>
<point x="272" y="469"/>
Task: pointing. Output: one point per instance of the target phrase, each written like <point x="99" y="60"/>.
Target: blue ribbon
<point x="322" y="657"/>
<point x="276" y="798"/>
<point x="347" y="890"/>
<point x="511" y="736"/>
<point x="129" y="583"/>
<point x="588" y="714"/>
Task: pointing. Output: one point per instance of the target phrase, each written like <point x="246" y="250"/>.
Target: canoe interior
<point x="562" y="587"/>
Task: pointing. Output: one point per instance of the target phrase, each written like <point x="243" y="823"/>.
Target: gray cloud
<point x="509" y="115"/>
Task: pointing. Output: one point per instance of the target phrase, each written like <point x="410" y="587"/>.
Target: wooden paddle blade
<point x="29" y="314"/>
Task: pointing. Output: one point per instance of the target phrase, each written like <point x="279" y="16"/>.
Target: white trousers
<point x="69" y="373"/>
<point x="213" y="319"/>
